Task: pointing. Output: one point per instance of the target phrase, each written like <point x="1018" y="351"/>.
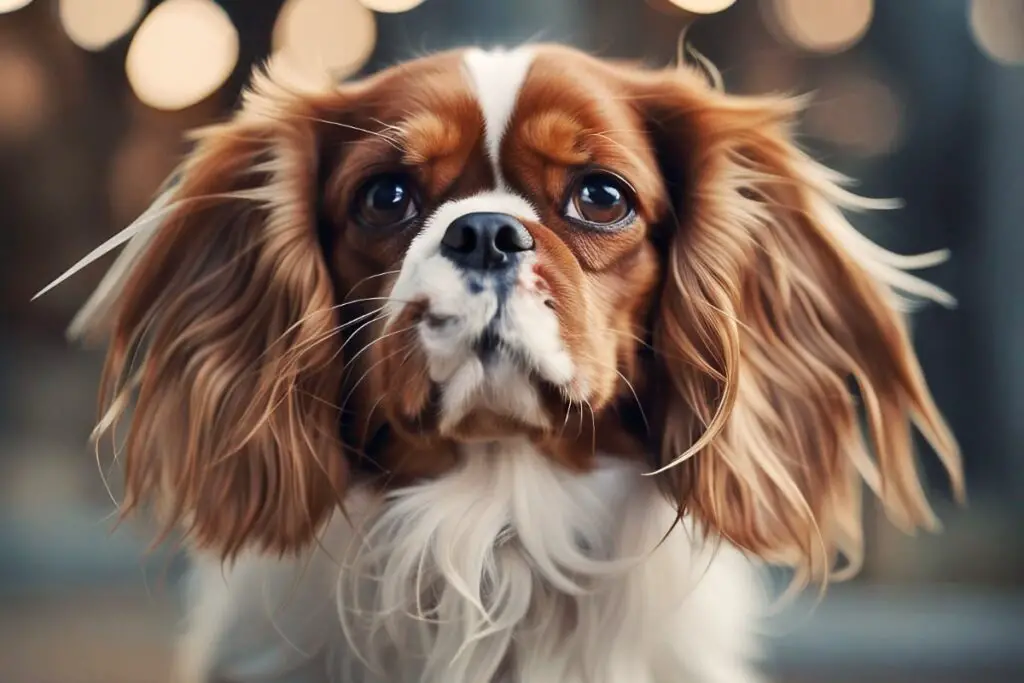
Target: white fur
<point x="508" y="569"/>
<point x="426" y="273"/>
<point x="497" y="77"/>
<point x="526" y="326"/>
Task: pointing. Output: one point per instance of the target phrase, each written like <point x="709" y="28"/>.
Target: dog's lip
<point x="435" y="320"/>
<point x="488" y="346"/>
<point x="491" y="347"/>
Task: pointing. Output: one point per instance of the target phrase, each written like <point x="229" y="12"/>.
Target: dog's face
<point x="504" y="240"/>
<point x="531" y="244"/>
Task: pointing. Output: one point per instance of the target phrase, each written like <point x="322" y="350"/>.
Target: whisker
<point x="291" y="354"/>
<point x="568" y="412"/>
<point x="579" y="428"/>
<point x="335" y="307"/>
<point x="324" y="336"/>
<point x="593" y="428"/>
<point x="369" y="417"/>
<point x="293" y="358"/>
<point x="395" y="143"/>
<point x="636" y="398"/>
<point x="360" y="329"/>
<point x="368" y="278"/>
<point x="389" y="126"/>
<point x="381" y="338"/>
<point x="629" y="385"/>
<point x="405" y="358"/>
<point x="350" y="338"/>
<point x="369" y="369"/>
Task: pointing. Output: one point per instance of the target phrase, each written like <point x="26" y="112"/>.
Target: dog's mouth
<point x="494" y="362"/>
<point x="491" y="347"/>
<point x="486" y="386"/>
<point x="489" y="344"/>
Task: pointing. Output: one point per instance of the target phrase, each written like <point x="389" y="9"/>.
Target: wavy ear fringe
<point x="772" y="304"/>
<point x="222" y="358"/>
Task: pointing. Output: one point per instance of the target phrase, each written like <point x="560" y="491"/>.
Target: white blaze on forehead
<point x="497" y="77"/>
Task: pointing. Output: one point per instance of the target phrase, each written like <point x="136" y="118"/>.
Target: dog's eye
<point x="385" y="201"/>
<point x="600" y="199"/>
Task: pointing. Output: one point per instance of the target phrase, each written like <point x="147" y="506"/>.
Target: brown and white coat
<point x="397" y="457"/>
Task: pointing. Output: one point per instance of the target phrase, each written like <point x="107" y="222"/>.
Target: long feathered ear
<point x="221" y="354"/>
<point x="772" y="303"/>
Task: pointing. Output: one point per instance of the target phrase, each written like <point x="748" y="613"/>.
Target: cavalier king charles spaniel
<point x="507" y="366"/>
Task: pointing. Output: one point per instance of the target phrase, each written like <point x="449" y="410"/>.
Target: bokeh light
<point x="23" y="95"/>
<point x="857" y="111"/>
<point x="998" y="27"/>
<point x="821" y="26"/>
<point x="391" y="6"/>
<point x="142" y="161"/>
<point x="94" y="25"/>
<point x="182" y="53"/>
<point x="316" y="37"/>
<point x="13" y="5"/>
<point x="703" y="6"/>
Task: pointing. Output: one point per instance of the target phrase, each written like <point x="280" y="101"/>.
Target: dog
<point x="508" y="366"/>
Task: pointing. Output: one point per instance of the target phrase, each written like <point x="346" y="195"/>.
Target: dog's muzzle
<point x="486" y="242"/>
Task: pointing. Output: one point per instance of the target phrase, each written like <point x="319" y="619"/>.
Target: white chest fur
<point x="507" y="569"/>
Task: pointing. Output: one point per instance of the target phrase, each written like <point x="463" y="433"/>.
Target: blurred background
<point x="918" y="99"/>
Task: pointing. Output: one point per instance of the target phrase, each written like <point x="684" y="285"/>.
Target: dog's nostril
<point x="465" y="240"/>
<point x="485" y="241"/>
<point x="511" y="239"/>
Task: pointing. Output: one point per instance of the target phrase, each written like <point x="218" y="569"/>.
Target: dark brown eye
<point x="600" y="199"/>
<point x="385" y="201"/>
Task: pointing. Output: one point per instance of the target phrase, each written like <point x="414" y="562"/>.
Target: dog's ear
<point x="772" y="307"/>
<point x="222" y="354"/>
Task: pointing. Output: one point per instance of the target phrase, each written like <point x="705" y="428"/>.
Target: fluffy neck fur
<point x="449" y="570"/>
<point x="509" y="568"/>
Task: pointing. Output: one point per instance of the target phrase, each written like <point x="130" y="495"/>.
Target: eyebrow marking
<point x="558" y="137"/>
<point x="428" y="137"/>
<point x="497" y="77"/>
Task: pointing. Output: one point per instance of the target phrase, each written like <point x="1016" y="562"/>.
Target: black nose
<point x="485" y="241"/>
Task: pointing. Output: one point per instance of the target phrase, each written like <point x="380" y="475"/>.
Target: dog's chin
<point x="482" y="425"/>
<point x="495" y="394"/>
<point x="486" y="364"/>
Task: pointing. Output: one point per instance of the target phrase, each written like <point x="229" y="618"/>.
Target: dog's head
<point x="533" y="244"/>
